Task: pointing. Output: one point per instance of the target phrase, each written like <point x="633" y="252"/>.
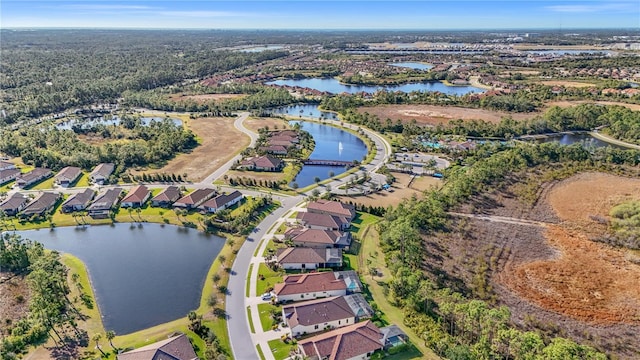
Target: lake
<point x="335" y="87"/>
<point x="85" y="124"/>
<point x="331" y="144"/>
<point x="141" y="276"/>
<point x="305" y="110"/>
<point x="412" y="65"/>
<point x="585" y="139"/>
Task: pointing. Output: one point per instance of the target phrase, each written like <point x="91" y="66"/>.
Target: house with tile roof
<point x="101" y="207"/>
<point x="7" y="175"/>
<point x="42" y="205"/>
<point x="68" y="176"/>
<point x="357" y="341"/>
<point x="78" y="201"/>
<point x="221" y="202"/>
<point x="167" y="197"/>
<point x="313" y="316"/>
<point x="136" y="197"/>
<point x="174" y="348"/>
<point x="335" y="208"/>
<point x="195" y="198"/>
<point x="302" y="287"/>
<point x="301" y="258"/>
<point x="322" y="221"/>
<point x="14" y="204"/>
<point x="32" y="177"/>
<point x="263" y="163"/>
<point x="315" y="238"/>
<point x="101" y="173"/>
<point x="5" y="165"/>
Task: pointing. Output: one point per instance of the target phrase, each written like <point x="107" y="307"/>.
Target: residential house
<point x="175" y="348"/>
<point x="78" y="201"/>
<point x="351" y="279"/>
<point x="136" y="197"/>
<point x="167" y="197"/>
<point x="315" y="238"/>
<point x="14" y="204"/>
<point x="5" y="165"/>
<point x="275" y="149"/>
<point x="195" y="198"/>
<point x="323" y="221"/>
<point x="360" y="307"/>
<point x="301" y="258"/>
<point x="222" y="201"/>
<point x="263" y="163"/>
<point x="42" y="204"/>
<point x="7" y="175"/>
<point x="313" y="316"/>
<point x="32" y="177"/>
<point x="309" y="286"/>
<point x="101" y="173"/>
<point x="357" y="341"/>
<point x="335" y="208"/>
<point x="101" y="207"/>
<point x="68" y="176"/>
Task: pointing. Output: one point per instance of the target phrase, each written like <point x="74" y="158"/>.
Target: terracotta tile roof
<point x="175" y="348"/>
<point x="333" y="208"/>
<point x="317" y="311"/>
<point x="137" y="194"/>
<point x="299" y="255"/>
<point x="324" y="220"/>
<point x="344" y="343"/>
<point x="172" y="193"/>
<point x="321" y="237"/>
<point x="265" y="161"/>
<point x="196" y="196"/>
<point x="308" y="283"/>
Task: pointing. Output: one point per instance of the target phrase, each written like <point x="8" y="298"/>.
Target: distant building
<point x="195" y="198"/>
<point x="5" y="165"/>
<point x="101" y="173"/>
<point x="175" y="348"/>
<point x="263" y="163"/>
<point x="68" y="176"/>
<point x="222" y="201"/>
<point x="167" y="197"/>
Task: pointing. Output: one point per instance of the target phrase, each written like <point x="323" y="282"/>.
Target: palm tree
<point x="130" y="210"/>
<point x="110" y="335"/>
<point x="97" y="337"/>
<point x="139" y="211"/>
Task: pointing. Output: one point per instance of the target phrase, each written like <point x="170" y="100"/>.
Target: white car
<point x="266" y="296"/>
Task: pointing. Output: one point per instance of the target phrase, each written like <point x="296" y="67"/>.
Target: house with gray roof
<point x="221" y="202"/>
<point x="195" y="198"/>
<point x="5" y="165"/>
<point x="101" y="207"/>
<point x="42" y="205"/>
<point x="14" y="204"/>
<point x="68" y="176"/>
<point x="32" y="177"/>
<point x="101" y="173"/>
<point x="7" y="175"/>
<point x="78" y="201"/>
<point x="167" y="197"/>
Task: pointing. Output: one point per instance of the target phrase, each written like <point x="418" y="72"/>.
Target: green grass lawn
<point x="264" y="311"/>
<point x="247" y="289"/>
<point x="411" y="353"/>
<point x="266" y="279"/>
<point x="6" y="187"/>
<point x="44" y="184"/>
<point x="83" y="181"/>
<point x="260" y="352"/>
<point x="279" y="349"/>
<point x="253" y="330"/>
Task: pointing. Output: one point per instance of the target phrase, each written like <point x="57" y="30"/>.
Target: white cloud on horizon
<point x="106" y="7"/>
<point x="202" y="13"/>
<point x="591" y="8"/>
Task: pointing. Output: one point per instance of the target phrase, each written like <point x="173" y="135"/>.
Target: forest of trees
<point x="140" y="145"/>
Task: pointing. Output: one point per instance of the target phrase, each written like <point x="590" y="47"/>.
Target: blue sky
<point x="308" y="14"/>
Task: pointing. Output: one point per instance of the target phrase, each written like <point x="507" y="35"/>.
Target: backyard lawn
<point x="266" y="279"/>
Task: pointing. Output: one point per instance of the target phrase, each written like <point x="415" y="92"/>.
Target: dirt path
<point x="503" y="219"/>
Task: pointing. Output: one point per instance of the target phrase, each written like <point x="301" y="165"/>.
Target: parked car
<point x="266" y="296"/>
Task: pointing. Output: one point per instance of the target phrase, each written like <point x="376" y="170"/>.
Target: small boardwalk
<point x="327" y="162"/>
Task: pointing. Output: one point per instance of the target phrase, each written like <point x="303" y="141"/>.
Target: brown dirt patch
<point x="254" y="124"/>
<point x="574" y="84"/>
<point x="589" y="281"/>
<point x="401" y="191"/>
<point x="434" y="115"/>
<point x="14" y="300"/>
<point x="204" y="98"/>
<point x="220" y="141"/>
<point x="564" y="104"/>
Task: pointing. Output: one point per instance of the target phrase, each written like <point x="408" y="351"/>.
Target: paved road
<point x="224" y="168"/>
<point x="238" y="324"/>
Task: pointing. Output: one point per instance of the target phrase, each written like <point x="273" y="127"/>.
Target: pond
<point x="585" y="139"/>
<point x="413" y="65"/>
<point x="335" y="87"/>
<point x="143" y="275"/>
<point x="308" y="111"/>
<point x="85" y="124"/>
<point x="331" y="144"/>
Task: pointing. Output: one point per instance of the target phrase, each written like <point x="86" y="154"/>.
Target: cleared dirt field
<point x="204" y="98"/>
<point x="434" y="115"/>
<point x="563" y="104"/>
<point x="14" y="300"/>
<point x="401" y="191"/>
<point x="574" y="84"/>
<point x="254" y="124"/>
<point x="220" y="141"/>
